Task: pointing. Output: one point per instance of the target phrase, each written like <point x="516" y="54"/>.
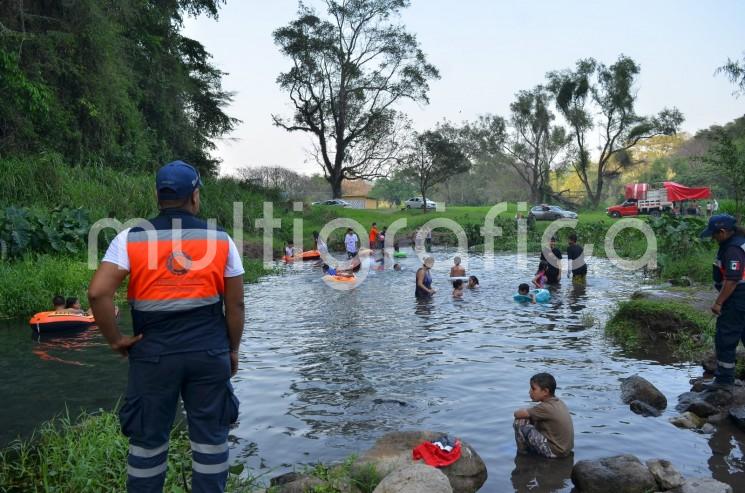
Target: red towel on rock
<point x="435" y="456"/>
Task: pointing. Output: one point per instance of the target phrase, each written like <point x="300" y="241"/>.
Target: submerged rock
<point x="636" y="388"/>
<point x="737" y="416"/>
<point x="393" y="451"/>
<point x="702" y="408"/>
<point x="688" y="420"/>
<point x="293" y="482"/>
<point x="665" y="474"/>
<point x="703" y="485"/>
<point x="415" y="478"/>
<point x="644" y="409"/>
<point x="619" y="474"/>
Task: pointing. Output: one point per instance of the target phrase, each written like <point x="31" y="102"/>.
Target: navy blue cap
<point x="720" y="221"/>
<point x="177" y="180"/>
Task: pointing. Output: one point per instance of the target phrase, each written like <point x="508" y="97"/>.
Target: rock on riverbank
<point x="627" y="474"/>
<point x="391" y="459"/>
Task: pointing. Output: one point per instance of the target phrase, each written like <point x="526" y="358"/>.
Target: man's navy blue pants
<point x="730" y="331"/>
<point x="202" y="379"/>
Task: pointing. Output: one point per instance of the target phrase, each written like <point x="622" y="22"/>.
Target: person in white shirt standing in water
<point x="350" y="242"/>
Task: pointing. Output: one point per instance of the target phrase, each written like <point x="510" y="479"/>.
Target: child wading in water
<point x="541" y="276"/>
<point x="458" y="288"/>
<point x="545" y="429"/>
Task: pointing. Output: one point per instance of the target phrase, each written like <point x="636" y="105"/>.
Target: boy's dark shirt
<point x="576" y="252"/>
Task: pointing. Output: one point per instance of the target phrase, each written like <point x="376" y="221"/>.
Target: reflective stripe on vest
<point x="176" y="269"/>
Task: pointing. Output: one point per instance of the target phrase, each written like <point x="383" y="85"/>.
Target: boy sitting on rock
<point x="545" y="429"/>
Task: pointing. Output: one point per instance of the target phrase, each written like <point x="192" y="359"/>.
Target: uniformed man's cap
<point x="177" y="180"/>
<point x="720" y="221"/>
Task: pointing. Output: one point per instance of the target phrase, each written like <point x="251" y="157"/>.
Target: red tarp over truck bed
<point x="636" y="191"/>
<point x="676" y="192"/>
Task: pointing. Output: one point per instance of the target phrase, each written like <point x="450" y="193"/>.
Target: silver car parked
<point x="546" y="212"/>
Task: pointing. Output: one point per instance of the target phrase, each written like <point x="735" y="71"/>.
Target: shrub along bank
<point x="662" y="326"/>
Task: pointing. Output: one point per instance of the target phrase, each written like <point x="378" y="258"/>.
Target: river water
<point x="325" y="372"/>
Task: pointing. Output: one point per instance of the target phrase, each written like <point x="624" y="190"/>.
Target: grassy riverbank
<point x="89" y="454"/>
<point x="45" y="183"/>
<point x="674" y="326"/>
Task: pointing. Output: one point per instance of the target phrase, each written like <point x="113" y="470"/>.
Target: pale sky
<point x="486" y="51"/>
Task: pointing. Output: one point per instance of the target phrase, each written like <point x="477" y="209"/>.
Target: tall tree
<point x="395" y="188"/>
<point x="609" y="91"/>
<point x="109" y="82"/>
<point x="727" y="157"/>
<point x="349" y="71"/>
<point x="530" y="143"/>
<point x="433" y="159"/>
<point x="735" y="72"/>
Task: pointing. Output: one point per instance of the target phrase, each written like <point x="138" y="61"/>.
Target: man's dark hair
<point x="573" y="237"/>
<point x="70" y="301"/>
<point x="544" y="381"/>
<point x="523" y="287"/>
<point x="325" y="267"/>
<point x="474" y="279"/>
<point x="58" y="300"/>
<point x="374" y="224"/>
<point x="458" y="283"/>
<point x="553" y="238"/>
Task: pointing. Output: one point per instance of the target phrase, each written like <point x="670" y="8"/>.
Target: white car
<point x="337" y="202"/>
<point x="417" y="203"/>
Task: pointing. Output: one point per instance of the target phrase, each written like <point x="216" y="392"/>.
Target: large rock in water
<point x="415" y="478"/>
<point x="393" y="451"/>
<point x="644" y="409"/>
<point x="703" y="485"/>
<point x="619" y="474"/>
<point x="637" y="388"/>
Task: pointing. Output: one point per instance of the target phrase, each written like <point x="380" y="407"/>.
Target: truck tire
<point x="615" y="214"/>
<point x="655" y="213"/>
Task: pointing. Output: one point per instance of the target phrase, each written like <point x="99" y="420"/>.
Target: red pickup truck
<point x="641" y="199"/>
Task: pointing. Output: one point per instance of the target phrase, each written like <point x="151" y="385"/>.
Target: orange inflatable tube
<point x="308" y="255"/>
<point x="339" y="278"/>
<point x="58" y="321"/>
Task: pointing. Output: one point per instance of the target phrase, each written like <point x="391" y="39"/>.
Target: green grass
<point x="639" y="324"/>
<point x="346" y="476"/>
<point x="89" y="454"/>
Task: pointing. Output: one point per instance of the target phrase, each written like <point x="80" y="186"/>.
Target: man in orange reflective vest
<point x="186" y="294"/>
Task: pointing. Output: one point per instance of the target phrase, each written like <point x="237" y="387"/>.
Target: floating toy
<point x="45" y="322"/>
<point x="309" y="255"/>
<point x="339" y="278"/>
<point x="541" y="296"/>
<point x="399" y="254"/>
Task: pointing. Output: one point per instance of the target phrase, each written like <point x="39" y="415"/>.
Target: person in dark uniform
<point x="186" y="294"/>
<point x="729" y="279"/>
<point x="577" y="265"/>
<point x="553" y="273"/>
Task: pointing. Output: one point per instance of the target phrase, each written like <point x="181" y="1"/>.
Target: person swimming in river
<point x="424" y="287"/>
<point x="457" y="270"/>
<point x="523" y="294"/>
<point x="473" y="282"/>
<point x="541" y="275"/>
<point x="458" y="288"/>
<point x="332" y="271"/>
<point x="58" y="302"/>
